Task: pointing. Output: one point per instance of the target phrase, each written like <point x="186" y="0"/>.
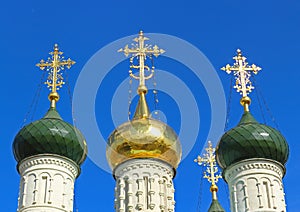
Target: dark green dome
<point x="50" y="135"/>
<point x="215" y="206"/>
<point x="249" y="139"/>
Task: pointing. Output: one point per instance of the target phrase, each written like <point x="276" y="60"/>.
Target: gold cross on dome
<point x="242" y="72"/>
<point x="141" y="51"/>
<point x="54" y="66"/>
<point x="211" y="174"/>
<point x="209" y="160"/>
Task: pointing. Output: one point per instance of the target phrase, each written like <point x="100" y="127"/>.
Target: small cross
<point x="209" y="160"/>
<point x="242" y="72"/>
<point x="54" y="65"/>
<point x="141" y="51"/>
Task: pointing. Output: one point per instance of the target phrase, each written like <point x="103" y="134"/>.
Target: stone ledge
<point x="48" y="159"/>
<point x="253" y="164"/>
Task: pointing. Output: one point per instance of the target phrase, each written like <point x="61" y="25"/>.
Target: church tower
<point x="49" y="151"/>
<point x="252" y="155"/>
<point x="143" y="152"/>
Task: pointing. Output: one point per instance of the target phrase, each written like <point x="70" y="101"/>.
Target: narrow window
<point x="267" y="192"/>
<point x="146" y="184"/>
<point x="45" y="186"/>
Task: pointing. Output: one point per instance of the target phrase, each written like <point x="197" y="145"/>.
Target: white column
<point x="256" y="185"/>
<point x="162" y="201"/>
<point x="151" y="193"/>
<point x="140" y="194"/>
<point x="130" y="195"/>
<point x="122" y="195"/>
<point x="44" y="187"/>
<point x="144" y="180"/>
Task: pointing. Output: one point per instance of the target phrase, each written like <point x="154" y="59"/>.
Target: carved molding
<point x="143" y="164"/>
<point x="253" y="164"/>
<point x="49" y="160"/>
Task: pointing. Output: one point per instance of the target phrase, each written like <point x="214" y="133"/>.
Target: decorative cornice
<point x="49" y="159"/>
<point x="142" y="164"/>
<point x="256" y="163"/>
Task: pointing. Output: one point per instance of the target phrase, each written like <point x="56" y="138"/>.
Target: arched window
<point x="31" y="190"/>
<point x="266" y="193"/>
<point x="58" y="188"/>
<point x="253" y="192"/>
<point x="44" y="188"/>
<point x="241" y="196"/>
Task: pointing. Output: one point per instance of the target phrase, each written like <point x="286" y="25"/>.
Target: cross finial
<point x="211" y="174"/>
<point x="141" y="52"/>
<point x="242" y="72"/>
<point x="54" y="66"/>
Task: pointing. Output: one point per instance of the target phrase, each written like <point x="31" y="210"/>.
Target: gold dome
<point x="143" y="137"/>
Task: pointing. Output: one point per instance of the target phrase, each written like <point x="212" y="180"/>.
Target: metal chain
<point x="265" y="104"/>
<point x="130" y="88"/>
<point x="70" y="98"/>
<point x="229" y="103"/>
<point x="155" y="92"/>
<point x="34" y="102"/>
<point x="259" y="102"/>
<point x="200" y="191"/>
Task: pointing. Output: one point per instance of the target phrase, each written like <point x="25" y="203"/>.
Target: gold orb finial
<point x="214" y="188"/>
<point x="245" y="102"/>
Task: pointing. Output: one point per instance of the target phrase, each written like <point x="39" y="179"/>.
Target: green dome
<point x="249" y="139"/>
<point x="50" y="135"/>
<point x="215" y="206"/>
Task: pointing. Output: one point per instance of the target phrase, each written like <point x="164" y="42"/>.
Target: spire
<point x="211" y="173"/>
<point x="140" y="52"/>
<point x="242" y="72"/>
<point x="54" y="65"/>
<point x="142" y="110"/>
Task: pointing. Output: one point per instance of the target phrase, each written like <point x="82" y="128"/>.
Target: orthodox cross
<point x="54" y="65"/>
<point x="242" y="72"/>
<point x="211" y="174"/>
<point x="141" y="51"/>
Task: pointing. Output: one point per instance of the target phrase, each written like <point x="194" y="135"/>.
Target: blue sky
<point x="268" y="32"/>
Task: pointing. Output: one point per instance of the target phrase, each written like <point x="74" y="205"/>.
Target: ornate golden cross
<point x="209" y="161"/>
<point x="54" y="65"/>
<point x="242" y="72"/>
<point x="141" y="51"/>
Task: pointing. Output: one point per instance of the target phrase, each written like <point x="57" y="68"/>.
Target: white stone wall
<point x="256" y="186"/>
<point x="47" y="184"/>
<point x="144" y="185"/>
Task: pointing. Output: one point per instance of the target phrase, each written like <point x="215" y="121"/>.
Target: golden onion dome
<point x="143" y="137"/>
